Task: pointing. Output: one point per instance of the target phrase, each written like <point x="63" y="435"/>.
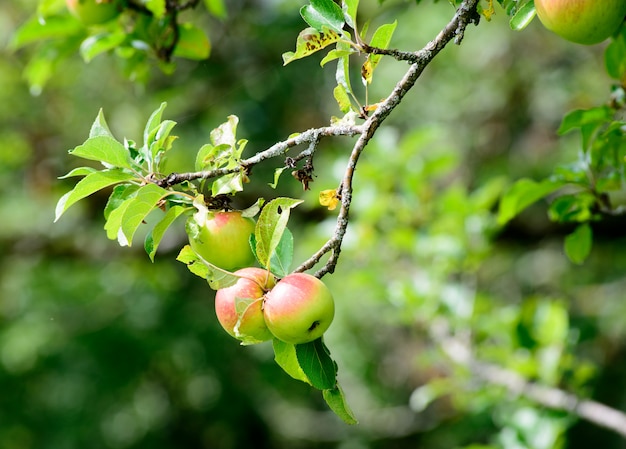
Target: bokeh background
<point x="101" y="348"/>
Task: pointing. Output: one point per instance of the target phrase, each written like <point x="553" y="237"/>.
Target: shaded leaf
<point x="154" y="237"/>
<point x="314" y="359"/>
<point x="193" y="43"/>
<point x="522" y="194"/>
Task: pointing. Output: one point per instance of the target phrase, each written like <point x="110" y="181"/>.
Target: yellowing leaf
<point x="329" y="198"/>
<point x="309" y="41"/>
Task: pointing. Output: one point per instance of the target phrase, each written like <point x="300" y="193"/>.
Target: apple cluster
<point x="296" y="309"/>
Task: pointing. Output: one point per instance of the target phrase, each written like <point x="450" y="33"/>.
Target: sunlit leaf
<point x="322" y="15"/>
<point x="336" y="400"/>
<point x="90" y="184"/>
<point x="104" y="149"/>
<point x="215" y="276"/>
<point x="350" y="8"/>
<point x="523" y="17"/>
<point x="270" y="227"/>
<point x="381" y="39"/>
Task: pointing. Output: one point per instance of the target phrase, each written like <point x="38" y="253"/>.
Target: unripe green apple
<point x="582" y="21"/>
<point x="243" y="303"/>
<point x="299" y="309"/>
<point x="91" y="12"/>
<point x="222" y="238"/>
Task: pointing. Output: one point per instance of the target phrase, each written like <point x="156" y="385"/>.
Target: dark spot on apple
<point x="313" y="326"/>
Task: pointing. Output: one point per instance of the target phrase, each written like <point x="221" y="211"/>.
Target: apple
<point x="222" y="238"/>
<point x="299" y="309"/>
<point x="92" y="12"/>
<point x="582" y="21"/>
<point x="239" y="308"/>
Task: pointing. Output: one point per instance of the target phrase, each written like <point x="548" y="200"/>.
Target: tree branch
<point x="550" y="397"/>
<point x="455" y="29"/>
<point x="311" y="136"/>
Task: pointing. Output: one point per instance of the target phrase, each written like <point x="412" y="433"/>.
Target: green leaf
<point x="104" y="149"/>
<point x="279" y="171"/>
<point x="285" y="357"/>
<point x="283" y="255"/>
<point x="121" y="193"/>
<point x="271" y="226"/>
<point x="153" y="123"/>
<point x="79" y="171"/>
<point x="193" y="43"/>
<point x="154" y="237"/>
<point x="310" y="41"/>
<point x="156" y="7"/>
<point x="615" y="57"/>
<point x="350" y="8"/>
<point x="522" y="194"/>
<point x="144" y="201"/>
<point x="100" y="127"/>
<point x="215" y="276"/>
<point x="323" y="14"/>
<point x="342" y="98"/>
<point x="113" y="224"/>
<point x="52" y="27"/>
<point x="587" y="120"/>
<point x="226" y="133"/>
<point x="342" y="74"/>
<point x="90" y="184"/>
<point x="314" y="359"/>
<point x="336" y="400"/>
<point x="228" y="184"/>
<point x="380" y="39"/>
<point x="336" y="54"/>
<point x="216" y="7"/>
<point x="100" y="43"/>
<point x="523" y="17"/>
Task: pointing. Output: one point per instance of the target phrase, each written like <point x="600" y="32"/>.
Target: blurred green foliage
<point x="99" y="347"/>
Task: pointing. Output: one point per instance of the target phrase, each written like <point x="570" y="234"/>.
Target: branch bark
<point x="551" y="397"/>
<point x="454" y="30"/>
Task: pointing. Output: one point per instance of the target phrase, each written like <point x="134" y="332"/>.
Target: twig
<point x="455" y="29"/>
